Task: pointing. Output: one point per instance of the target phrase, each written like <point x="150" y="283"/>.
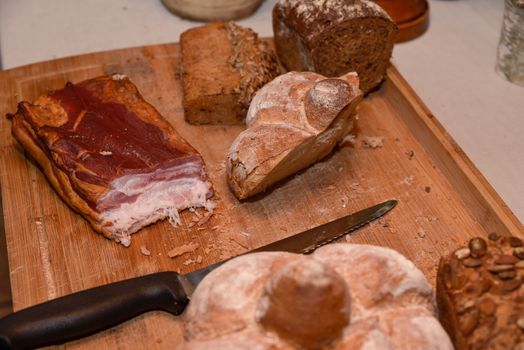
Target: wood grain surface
<point x="443" y="200"/>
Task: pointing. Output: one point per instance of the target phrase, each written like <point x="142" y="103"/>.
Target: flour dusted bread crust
<point x="223" y="66"/>
<point x="292" y="122"/>
<point x="333" y="37"/>
<point x="480" y="294"/>
<point x="111" y="156"/>
<point x="343" y="296"/>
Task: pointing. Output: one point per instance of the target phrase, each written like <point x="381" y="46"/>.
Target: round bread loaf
<point x="333" y="37"/>
<point x="343" y="296"/>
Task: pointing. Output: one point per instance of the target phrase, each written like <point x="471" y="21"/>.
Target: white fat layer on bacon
<point x="155" y="201"/>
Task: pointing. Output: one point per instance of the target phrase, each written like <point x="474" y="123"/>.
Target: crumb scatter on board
<point x="144" y="250"/>
<point x="348" y="139"/>
<point x="383" y="222"/>
<point x="408" y="180"/>
<point x="183" y="249"/>
<point x="373" y="142"/>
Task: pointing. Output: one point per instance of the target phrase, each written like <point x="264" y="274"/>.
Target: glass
<point x="510" y="59"/>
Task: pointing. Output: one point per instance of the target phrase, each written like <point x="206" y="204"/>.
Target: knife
<point x="86" y="312"/>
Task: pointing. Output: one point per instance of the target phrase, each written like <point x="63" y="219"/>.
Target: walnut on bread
<point x="293" y="121"/>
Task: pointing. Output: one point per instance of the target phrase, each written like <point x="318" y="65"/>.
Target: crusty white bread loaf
<point x="292" y="122"/>
<point x="333" y="37"/>
<point x="343" y="296"/>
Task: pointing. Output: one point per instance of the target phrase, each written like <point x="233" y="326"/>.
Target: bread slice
<point x="223" y="66"/>
<point x="292" y="122"/>
<point x="335" y="37"/>
<point x="111" y="156"/>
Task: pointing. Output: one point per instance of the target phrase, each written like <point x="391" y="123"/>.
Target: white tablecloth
<point x="451" y="66"/>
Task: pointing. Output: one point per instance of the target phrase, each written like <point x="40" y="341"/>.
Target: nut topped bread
<point x="333" y="37"/>
<point x="480" y="294"/>
<point x="223" y="65"/>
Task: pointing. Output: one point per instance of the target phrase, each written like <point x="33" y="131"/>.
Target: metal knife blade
<point x="83" y="313"/>
<point x="304" y="242"/>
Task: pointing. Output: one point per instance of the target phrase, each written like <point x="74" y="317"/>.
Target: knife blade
<point x="86" y="312"/>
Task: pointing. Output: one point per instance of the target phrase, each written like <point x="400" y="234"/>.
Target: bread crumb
<point x="349" y="138"/>
<point x="144" y="250"/>
<point x="194" y="211"/>
<point x="421" y="233"/>
<point x="204" y="220"/>
<point x="408" y="180"/>
<point x="355" y="186"/>
<point x="183" y="249"/>
<point x="410" y="154"/>
<point x="118" y="76"/>
<point x="105" y="153"/>
<point x="383" y="222"/>
<point x="199" y="259"/>
<point x="189" y="262"/>
<point x="243" y="245"/>
<point x="220" y="165"/>
<point x="373" y="141"/>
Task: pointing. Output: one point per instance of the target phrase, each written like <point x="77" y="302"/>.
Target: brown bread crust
<point x="223" y="66"/>
<point x="293" y="121"/>
<point x="480" y="294"/>
<point x="333" y="37"/>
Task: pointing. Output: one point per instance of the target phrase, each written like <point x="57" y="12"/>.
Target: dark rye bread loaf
<point x="480" y="294"/>
<point x="333" y="37"/>
<point x="223" y="66"/>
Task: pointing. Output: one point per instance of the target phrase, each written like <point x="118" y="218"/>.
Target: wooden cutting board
<point x="443" y="199"/>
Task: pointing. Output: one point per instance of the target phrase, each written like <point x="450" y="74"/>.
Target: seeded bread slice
<point x="223" y="66"/>
<point x="480" y="294"/>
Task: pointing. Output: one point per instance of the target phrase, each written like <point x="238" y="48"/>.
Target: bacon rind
<point x="92" y="137"/>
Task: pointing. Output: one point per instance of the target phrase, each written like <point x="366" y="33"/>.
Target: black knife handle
<point x="92" y="310"/>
